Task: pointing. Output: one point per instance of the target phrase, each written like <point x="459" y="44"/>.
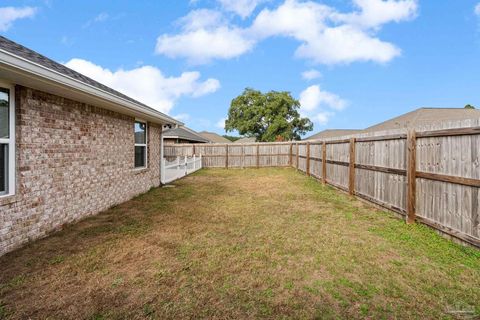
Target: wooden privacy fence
<point x="428" y="176"/>
<point x="235" y="155"/>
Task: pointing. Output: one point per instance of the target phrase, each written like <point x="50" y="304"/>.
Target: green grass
<point x="266" y="243"/>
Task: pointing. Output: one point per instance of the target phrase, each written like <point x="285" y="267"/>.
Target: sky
<point x="351" y="63"/>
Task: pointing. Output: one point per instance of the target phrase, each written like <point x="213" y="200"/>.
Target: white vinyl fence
<point x="180" y="167"/>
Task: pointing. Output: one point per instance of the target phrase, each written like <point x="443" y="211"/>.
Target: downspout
<point x="162" y="163"/>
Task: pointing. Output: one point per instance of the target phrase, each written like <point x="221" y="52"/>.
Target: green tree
<point x="267" y="116"/>
<point x="469" y="106"/>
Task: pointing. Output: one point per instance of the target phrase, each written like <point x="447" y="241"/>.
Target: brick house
<point x="70" y="147"/>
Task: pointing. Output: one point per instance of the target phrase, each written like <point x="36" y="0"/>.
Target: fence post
<point x="186" y="165"/>
<point x="201" y="161"/>
<point x="226" y="156"/>
<point x="411" y="175"/>
<point x="290" y="155"/>
<point x="194" y="162"/>
<point x="193" y="149"/>
<point x="258" y="155"/>
<point x="307" y="170"/>
<point x="324" y="162"/>
<point x="177" y="172"/>
<point x="242" y="156"/>
<point x="351" y="167"/>
<point x="297" y="158"/>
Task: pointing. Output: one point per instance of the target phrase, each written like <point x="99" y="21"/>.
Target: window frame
<point x="141" y="144"/>
<point x="10" y="142"/>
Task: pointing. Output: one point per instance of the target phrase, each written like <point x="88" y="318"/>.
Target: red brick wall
<point x="73" y="160"/>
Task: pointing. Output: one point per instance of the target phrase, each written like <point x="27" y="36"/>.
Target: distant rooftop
<point x="426" y="116"/>
<point x="184" y="133"/>
<point x="413" y="119"/>
<point x="214" y="137"/>
<point x="331" y="133"/>
<point x="246" y="140"/>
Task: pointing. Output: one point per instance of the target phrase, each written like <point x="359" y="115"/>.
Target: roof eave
<point x="22" y="71"/>
<point x="184" y="138"/>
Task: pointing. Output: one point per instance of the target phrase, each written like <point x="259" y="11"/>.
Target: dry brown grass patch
<point x="266" y="243"/>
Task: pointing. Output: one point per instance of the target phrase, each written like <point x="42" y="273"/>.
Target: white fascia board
<point x="30" y="72"/>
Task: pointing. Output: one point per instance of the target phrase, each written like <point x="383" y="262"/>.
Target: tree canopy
<point x="469" y="106"/>
<point x="270" y="116"/>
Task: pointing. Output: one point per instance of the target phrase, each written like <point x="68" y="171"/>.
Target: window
<point x="7" y="141"/>
<point x="140" y="144"/>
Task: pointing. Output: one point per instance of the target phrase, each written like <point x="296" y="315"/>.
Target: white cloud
<point x="205" y="36"/>
<point x="345" y="44"/>
<point x="311" y="74"/>
<point x="477" y="9"/>
<point x="299" y="20"/>
<point x="148" y="84"/>
<point x="182" y="117"/>
<point x="326" y="36"/>
<point x="243" y="8"/>
<point x="8" y="15"/>
<point x="201" y="18"/>
<point x="322" y="117"/>
<point x="374" y="13"/>
<point x="323" y="39"/>
<point x="102" y="17"/>
<point x="320" y="105"/>
<point x="221" y="123"/>
<point x="313" y="97"/>
<point x="67" y="41"/>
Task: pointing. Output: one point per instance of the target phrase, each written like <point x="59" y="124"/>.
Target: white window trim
<point x="11" y="170"/>
<point x="142" y="144"/>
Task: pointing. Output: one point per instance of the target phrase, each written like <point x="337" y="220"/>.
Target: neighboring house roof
<point x="246" y="140"/>
<point x="213" y="137"/>
<point x="332" y="133"/>
<point x="29" y="68"/>
<point x="184" y="133"/>
<point x="426" y="116"/>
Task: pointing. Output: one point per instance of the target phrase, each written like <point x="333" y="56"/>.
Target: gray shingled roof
<point x="425" y="116"/>
<point x="185" y="134"/>
<point x="331" y="133"/>
<point x="213" y="137"/>
<point x="23" y="52"/>
<point x="246" y="140"/>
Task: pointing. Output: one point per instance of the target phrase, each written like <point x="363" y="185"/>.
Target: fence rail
<point x="180" y="167"/>
<point x="430" y="176"/>
<point x="235" y="155"/>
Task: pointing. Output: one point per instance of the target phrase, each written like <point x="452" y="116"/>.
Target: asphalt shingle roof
<point x="246" y="140"/>
<point x="331" y="133"/>
<point x="213" y="137"/>
<point x="35" y="57"/>
<point x="425" y="116"/>
<point x="185" y="134"/>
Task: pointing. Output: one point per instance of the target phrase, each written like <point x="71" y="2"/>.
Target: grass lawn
<point x="266" y="243"/>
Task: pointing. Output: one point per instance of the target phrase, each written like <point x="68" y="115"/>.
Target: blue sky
<point x="352" y="63"/>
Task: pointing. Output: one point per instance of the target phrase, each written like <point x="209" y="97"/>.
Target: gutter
<point x="184" y="138"/>
<point x="38" y="72"/>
